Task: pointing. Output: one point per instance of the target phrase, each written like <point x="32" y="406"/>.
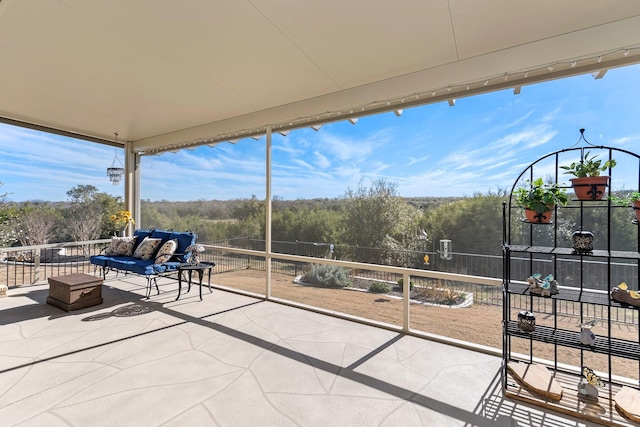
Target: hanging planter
<point x="590" y="187"/>
<point x="588" y="184"/>
<point x="539" y="199"/>
<point x="535" y="217"/>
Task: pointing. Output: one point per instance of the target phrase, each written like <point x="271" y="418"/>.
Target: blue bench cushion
<point x="184" y="241"/>
<point x="147" y="267"/>
<point x="135" y="265"/>
<point x="100" y="260"/>
<point x="162" y="235"/>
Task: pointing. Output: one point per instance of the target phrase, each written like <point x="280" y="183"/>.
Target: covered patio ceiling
<point x="166" y="75"/>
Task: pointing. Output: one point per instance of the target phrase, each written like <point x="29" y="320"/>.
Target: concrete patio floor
<point x="233" y="360"/>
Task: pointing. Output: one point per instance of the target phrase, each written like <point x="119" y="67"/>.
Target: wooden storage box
<point x="75" y="291"/>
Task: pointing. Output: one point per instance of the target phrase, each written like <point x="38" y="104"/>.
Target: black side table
<point x="190" y="268"/>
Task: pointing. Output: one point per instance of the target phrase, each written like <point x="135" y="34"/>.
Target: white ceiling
<point x="166" y="74"/>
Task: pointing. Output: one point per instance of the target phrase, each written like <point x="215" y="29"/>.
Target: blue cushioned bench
<point x="152" y="268"/>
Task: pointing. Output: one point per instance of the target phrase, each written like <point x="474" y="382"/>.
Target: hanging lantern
<point x="116" y="171"/>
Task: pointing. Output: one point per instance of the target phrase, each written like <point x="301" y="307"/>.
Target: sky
<point x="479" y="145"/>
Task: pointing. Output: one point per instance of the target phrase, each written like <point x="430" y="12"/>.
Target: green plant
<point x="540" y="197"/>
<point x="588" y="166"/>
<point x="328" y="276"/>
<point x="401" y="284"/>
<point x="380" y="288"/>
<point x="627" y="199"/>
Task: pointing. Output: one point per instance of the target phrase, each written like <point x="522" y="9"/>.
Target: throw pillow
<point x="121" y="246"/>
<point x="147" y="248"/>
<point x="166" y="251"/>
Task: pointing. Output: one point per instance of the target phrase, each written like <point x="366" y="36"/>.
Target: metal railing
<point x="568" y="272"/>
<point x="34" y="264"/>
<point x="472" y="273"/>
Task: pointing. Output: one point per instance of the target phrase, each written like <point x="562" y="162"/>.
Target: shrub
<point x="401" y="285"/>
<point x="380" y="288"/>
<point x="328" y="276"/>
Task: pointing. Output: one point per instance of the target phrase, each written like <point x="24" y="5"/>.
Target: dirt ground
<point x="480" y="324"/>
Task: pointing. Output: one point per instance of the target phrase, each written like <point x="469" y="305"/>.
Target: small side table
<point x="189" y="269"/>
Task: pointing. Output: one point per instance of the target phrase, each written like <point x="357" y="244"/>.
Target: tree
<point x="251" y="216"/>
<point x="35" y="224"/>
<point x="109" y="205"/>
<point x="82" y="193"/>
<point x="308" y="225"/>
<point x="84" y="217"/>
<point x="377" y="217"/>
<point x="473" y="224"/>
<point x="8" y="213"/>
<point x="249" y="209"/>
<point x="8" y="234"/>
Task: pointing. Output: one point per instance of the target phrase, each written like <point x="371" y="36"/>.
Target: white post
<point x="268" y="216"/>
<point x="406" y="293"/>
<point x="131" y="184"/>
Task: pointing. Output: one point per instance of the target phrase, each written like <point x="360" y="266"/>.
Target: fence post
<point x="36" y="266"/>
<point x="406" y="292"/>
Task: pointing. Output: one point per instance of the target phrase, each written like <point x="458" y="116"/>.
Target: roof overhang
<point x="167" y="75"/>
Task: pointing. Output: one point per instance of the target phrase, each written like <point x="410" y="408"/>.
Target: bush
<point x="380" y="288"/>
<point x="328" y="276"/>
<point x="401" y="285"/>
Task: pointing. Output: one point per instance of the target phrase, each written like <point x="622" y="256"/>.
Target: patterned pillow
<point x="166" y="251"/>
<point x="147" y="248"/>
<point x="121" y="246"/>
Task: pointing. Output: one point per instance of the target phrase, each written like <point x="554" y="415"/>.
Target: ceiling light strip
<point x="515" y="79"/>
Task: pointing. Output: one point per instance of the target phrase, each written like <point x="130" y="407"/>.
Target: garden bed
<point x="441" y="297"/>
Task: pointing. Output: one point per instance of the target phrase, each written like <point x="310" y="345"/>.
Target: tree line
<point x="373" y="216"/>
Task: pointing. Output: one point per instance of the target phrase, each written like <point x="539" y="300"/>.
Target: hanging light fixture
<point x="116" y="171"/>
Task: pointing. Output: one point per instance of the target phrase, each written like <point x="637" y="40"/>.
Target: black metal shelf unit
<point x="530" y="247"/>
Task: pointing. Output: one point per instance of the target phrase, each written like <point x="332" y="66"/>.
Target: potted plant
<point x="121" y="221"/>
<point x="588" y="184"/>
<point x="631" y="199"/>
<point x="538" y="200"/>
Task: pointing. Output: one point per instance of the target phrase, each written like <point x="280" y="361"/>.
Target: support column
<point x="132" y="183"/>
<point x="406" y="301"/>
<point x="268" y="216"/>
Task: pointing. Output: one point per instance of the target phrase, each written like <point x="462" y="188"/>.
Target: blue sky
<point x="479" y="145"/>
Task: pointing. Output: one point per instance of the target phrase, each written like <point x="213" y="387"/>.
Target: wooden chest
<point x="75" y="291"/>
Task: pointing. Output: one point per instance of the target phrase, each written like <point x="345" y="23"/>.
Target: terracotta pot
<point x="636" y="209"/>
<point x="536" y="218"/>
<point x="590" y="188"/>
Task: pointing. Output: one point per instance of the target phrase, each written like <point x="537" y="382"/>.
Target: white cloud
<point x="349" y="149"/>
<point x="321" y="160"/>
<point x="413" y="160"/>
